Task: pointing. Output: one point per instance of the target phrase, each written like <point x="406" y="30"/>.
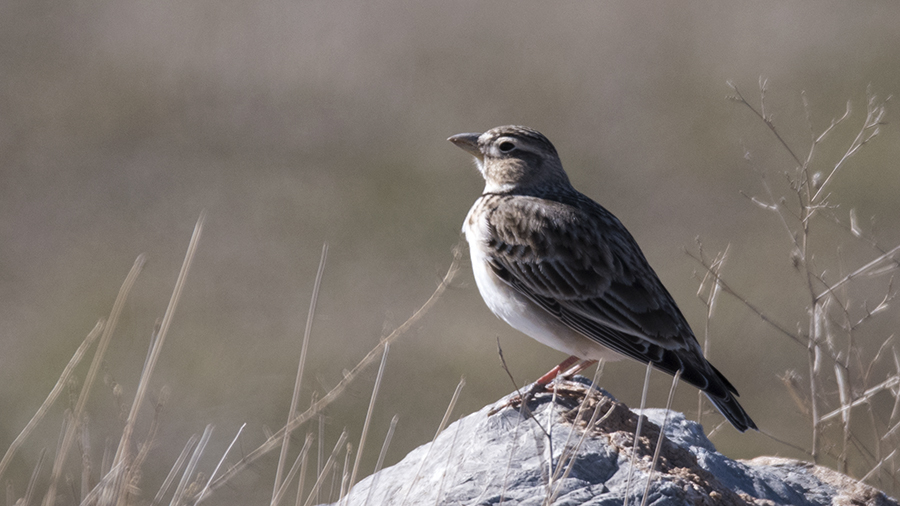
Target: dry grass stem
<point x="205" y="492"/>
<point x="326" y="469"/>
<point x="662" y="437"/>
<point x="187" y="477"/>
<point x="708" y="292"/>
<point x="444" y="420"/>
<point x="69" y="434"/>
<point x="144" y="382"/>
<point x="448" y="460"/>
<point x="304" y="463"/>
<point x="30" y="491"/>
<point x="176" y="468"/>
<point x="295" y="396"/>
<point x="292" y="473"/>
<point x="865" y="397"/>
<point x="637" y="433"/>
<point x="832" y="330"/>
<point x="316" y="407"/>
<point x="571" y="455"/>
<point x="365" y="430"/>
<point x="381" y="455"/>
<point x="51" y="397"/>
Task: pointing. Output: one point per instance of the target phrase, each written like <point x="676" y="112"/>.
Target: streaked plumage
<point x="559" y="267"/>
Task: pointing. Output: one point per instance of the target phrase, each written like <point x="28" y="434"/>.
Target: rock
<point x="505" y="457"/>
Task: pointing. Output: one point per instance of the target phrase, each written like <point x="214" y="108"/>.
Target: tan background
<point x="294" y="123"/>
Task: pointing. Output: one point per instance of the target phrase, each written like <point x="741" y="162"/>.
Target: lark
<point x="557" y="266"/>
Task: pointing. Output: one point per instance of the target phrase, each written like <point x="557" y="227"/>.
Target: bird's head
<point x="513" y="159"/>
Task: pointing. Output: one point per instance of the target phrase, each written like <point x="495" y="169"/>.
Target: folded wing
<point x="580" y="264"/>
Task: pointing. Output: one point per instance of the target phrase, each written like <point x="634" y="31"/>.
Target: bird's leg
<point x="584" y="364"/>
<point x="564" y="370"/>
<point x="553" y="373"/>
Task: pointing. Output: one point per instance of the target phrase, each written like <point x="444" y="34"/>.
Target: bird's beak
<point x="469" y="143"/>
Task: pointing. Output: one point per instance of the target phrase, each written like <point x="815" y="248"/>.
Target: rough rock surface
<point x="505" y="457"/>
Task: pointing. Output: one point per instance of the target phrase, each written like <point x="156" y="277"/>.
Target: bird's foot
<point x="564" y="370"/>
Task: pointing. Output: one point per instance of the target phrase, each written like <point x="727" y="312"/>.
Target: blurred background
<point x="295" y="123"/>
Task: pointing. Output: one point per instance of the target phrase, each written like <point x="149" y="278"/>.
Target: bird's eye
<point x="506" y="146"/>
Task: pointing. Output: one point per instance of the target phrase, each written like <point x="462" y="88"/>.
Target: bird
<point x="560" y="268"/>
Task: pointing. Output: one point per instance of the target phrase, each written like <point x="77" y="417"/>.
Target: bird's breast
<point x="513" y="307"/>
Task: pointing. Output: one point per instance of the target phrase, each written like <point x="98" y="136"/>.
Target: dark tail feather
<point x="732" y="410"/>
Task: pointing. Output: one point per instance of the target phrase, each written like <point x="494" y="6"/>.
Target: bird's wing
<point x="579" y="263"/>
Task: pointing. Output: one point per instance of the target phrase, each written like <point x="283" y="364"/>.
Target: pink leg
<point x="553" y="373"/>
<point x="584" y="364"/>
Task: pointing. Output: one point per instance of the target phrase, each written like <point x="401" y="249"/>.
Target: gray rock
<point x="505" y="457"/>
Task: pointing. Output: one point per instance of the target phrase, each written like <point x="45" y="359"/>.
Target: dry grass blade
<point x="102" y="488"/>
<point x="301" y="482"/>
<point x="51" y="397"/>
<point x="326" y="469"/>
<point x="295" y="397"/>
<point x="709" y="286"/>
<point x="179" y="497"/>
<point x="512" y="452"/>
<point x="595" y="418"/>
<point x="175" y="469"/>
<point x="878" y="466"/>
<point x="329" y="397"/>
<point x="637" y="432"/>
<point x="205" y="492"/>
<point x="69" y="435"/>
<point x="440" y="490"/>
<point x="345" y="475"/>
<point x="380" y="462"/>
<point x="297" y="466"/>
<point x="86" y="465"/>
<point x="662" y="437"/>
<point x="443" y="424"/>
<point x="365" y="430"/>
<point x="29" y="493"/>
<point x="843" y="385"/>
<point x="567" y="455"/>
<point x="156" y="349"/>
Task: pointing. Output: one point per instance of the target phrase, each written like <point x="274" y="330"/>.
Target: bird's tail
<point x="732" y="410"/>
<point x="697" y="371"/>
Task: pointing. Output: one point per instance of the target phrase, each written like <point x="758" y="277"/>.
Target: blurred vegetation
<point x="297" y="123"/>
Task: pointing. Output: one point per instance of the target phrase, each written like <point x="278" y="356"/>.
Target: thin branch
<point x="727" y="289"/>
<point x="874" y="116"/>
<point x="868" y="394"/>
<point x="762" y="115"/>
<point x="862" y="270"/>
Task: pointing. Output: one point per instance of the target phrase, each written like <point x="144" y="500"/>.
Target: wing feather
<point x="578" y="262"/>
